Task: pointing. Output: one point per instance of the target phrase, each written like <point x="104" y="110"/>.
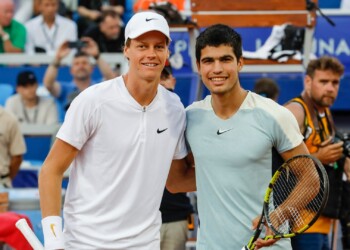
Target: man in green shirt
<point x="12" y="33"/>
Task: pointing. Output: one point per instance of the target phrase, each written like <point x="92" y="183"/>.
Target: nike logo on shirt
<point x="221" y="131"/>
<point x="161" y="131"/>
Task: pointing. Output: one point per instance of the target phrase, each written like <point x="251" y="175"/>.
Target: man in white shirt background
<point x="46" y="32"/>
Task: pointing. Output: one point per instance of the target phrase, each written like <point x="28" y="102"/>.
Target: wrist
<point x="53" y="235"/>
<point x="56" y="63"/>
<point x="5" y="36"/>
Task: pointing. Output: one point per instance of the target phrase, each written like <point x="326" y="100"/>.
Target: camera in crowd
<point x="77" y="44"/>
<point x="344" y="137"/>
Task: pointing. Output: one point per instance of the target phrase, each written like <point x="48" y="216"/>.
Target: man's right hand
<point x="329" y="152"/>
<point x="62" y="51"/>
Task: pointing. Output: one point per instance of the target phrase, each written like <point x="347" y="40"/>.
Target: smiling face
<point x="147" y="55"/>
<point x="218" y="68"/>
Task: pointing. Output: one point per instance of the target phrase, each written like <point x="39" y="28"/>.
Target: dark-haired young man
<point x="231" y="134"/>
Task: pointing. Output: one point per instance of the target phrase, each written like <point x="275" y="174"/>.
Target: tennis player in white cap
<point x="119" y="137"/>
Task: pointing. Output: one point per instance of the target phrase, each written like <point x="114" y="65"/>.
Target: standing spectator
<point x="312" y="111"/>
<point x="119" y="137"/>
<point x="12" y="148"/>
<point x="81" y="71"/>
<point x="27" y="106"/>
<point x="12" y="33"/>
<point x="90" y="12"/>
<point x="109" y="34"/>
<point x="267" y="87"/>
<point x="46" y="32"/>
<point x="176" y="209"/>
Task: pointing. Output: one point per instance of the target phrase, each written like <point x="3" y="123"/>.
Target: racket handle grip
<point x="245" y="248"/>
<point x="27" y="232"/>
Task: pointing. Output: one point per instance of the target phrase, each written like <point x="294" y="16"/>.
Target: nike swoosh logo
<point x="52" y="226"/>
<point x="161" y="131"/>
<point x="149" y="19"/>
<point x="223" y="131"/>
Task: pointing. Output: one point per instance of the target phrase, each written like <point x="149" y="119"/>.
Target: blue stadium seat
<point x="6" y="90"/>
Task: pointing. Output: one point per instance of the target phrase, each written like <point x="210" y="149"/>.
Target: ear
<point x="240" y="64"/>
<point x="307" y="83"/>
<point x="126" y="52"/>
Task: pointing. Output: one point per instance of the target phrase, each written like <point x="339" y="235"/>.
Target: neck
<point x="30" y="103"/>
<point x="142" y="91"/>
<point x="225" y="106"/>
<point x="311" y="103"/>
<point x="49" y="21"/>
<point x="82" y="83"/>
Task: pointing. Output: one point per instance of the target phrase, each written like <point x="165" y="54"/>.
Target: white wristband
<point x="53" y="235"/>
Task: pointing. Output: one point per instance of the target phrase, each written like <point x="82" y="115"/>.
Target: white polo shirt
<point x="49" y="39"/>
<point x="118" y="177"/>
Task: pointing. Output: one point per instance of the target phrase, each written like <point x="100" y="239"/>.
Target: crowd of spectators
<point x="41" y="26"/>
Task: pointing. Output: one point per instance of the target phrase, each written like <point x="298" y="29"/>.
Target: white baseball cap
<point x="143" y="22"/>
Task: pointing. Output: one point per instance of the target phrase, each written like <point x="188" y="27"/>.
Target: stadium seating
<point x="6" y="90"/>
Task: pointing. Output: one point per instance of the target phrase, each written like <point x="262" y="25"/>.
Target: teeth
<point x="150" y="64"/>
<point x="218" y="79"/>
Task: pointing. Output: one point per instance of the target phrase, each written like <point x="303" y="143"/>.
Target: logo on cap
<point x="149" y="19"/>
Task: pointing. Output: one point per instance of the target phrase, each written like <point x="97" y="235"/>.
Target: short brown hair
<point x="325" y="63"/>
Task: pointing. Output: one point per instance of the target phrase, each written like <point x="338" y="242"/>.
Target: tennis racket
<point x="27" y="232"/>
<point x="294" y="199"/>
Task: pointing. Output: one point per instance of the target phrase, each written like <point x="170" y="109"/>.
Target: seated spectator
<point x="90" y="12"/>
<point x="27" y="106"/>
<point x="12" y="33"/>
<point x="12" y="148"/>
<point x="9" y="234"/>
<point x="81" y="71"/>
<point x="109" y="34"/>
<point x="267" y="87"/>
<point x="46" y="32"/>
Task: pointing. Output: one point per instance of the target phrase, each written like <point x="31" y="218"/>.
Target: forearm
<point x="105" y="69"/>
<point x="56" y="163"/>
<point x="50" y="77"/>
<point x="181" y="177"/>
<point x="50" y="193"/>
<point x="15" y="165"/>
<point x="85" y="12"/>
<point x="9" y="48"/>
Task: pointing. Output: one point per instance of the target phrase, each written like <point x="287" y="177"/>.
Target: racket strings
<point x="296" y="197"/>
